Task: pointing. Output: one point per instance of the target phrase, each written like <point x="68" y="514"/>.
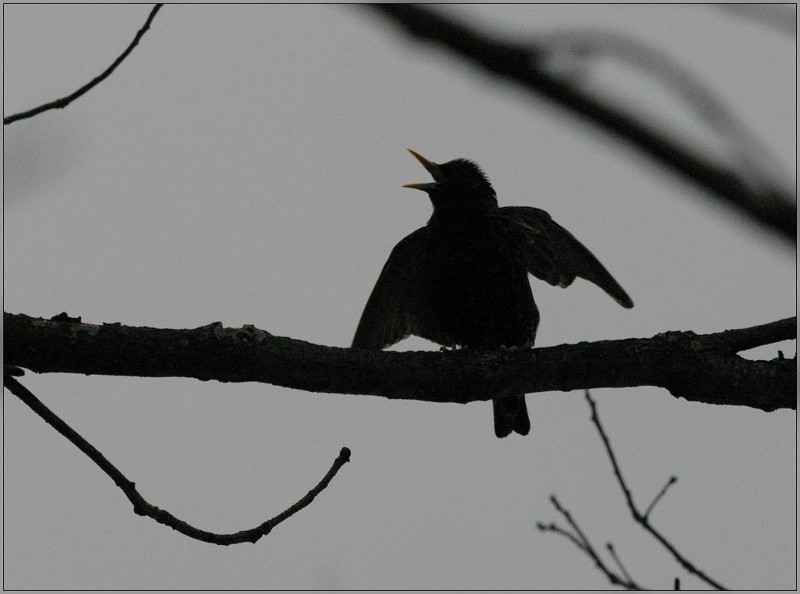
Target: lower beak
<point x="423" y="187"/>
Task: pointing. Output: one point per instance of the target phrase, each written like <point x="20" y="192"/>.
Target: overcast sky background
<point x="244" y="165"/>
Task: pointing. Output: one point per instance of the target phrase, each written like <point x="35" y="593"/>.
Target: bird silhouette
<point x="462" y="279"/>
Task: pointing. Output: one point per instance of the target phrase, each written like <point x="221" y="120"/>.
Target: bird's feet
<point x="517" y="347"/>
<point x="455" y="347"/>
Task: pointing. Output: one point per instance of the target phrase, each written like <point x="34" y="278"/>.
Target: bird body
<point x="462" y="280"/>
<point x="475" y="284"/>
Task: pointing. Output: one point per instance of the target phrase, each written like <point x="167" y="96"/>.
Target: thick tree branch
<point x="703" y="368"/>
<point x="526" y="64"/>
<point x="140" y="505"/>
<point x="64" y="101"/>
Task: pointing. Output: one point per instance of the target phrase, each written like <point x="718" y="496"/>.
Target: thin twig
<point x="568" y="517"/>
<point x="64" y="101"/>
<point x="553" y="527"/>
<point x="618" y="561"/>
<point x="579" y="539"/>
<point x="142" y="507"/>
<point x="637" y="515"/>
<point x="672" y="480"/>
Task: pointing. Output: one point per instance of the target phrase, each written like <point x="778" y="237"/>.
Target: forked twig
<point x="641" y="518"/>
<point x="579" y="539"/>
<point x="142" y="507"/>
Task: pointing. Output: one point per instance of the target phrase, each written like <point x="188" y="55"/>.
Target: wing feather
<point x="552" y="253"/>
<point x="395" y="309"/>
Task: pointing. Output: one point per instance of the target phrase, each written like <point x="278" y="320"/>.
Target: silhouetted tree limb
<point x="527" y="64"/>
<point x="575" y="51"/>
<point x="142" y="507"/>
<point x="579" y="539"/>
<point x="64" y="101"/>
<point x="703" y="368"/>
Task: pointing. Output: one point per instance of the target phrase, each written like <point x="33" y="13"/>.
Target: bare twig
<point x="553" y="527"/>
<point x="579" y="539"/>
<point x="637" y="515"/>
<point x="142" y="507"/>
<point x="773" y="206"/>
<point x="672" y="480"/>
<point x="618" y="561"/>
<point x="64" y="101"/>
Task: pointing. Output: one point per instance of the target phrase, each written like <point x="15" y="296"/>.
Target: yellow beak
<point x="431" y="168"/>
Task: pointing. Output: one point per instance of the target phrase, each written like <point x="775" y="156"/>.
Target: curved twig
<point x="64" y="101"/>
<point x="142" y="507"/>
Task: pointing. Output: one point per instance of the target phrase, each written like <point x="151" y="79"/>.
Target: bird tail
<point x="511" y="414"/>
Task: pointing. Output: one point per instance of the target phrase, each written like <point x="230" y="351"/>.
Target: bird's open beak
<point x="431" y="168"/>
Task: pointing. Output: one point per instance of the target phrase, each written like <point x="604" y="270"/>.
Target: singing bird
<point x="462" y="279"/>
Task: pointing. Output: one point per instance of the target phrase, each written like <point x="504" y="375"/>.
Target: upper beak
<point x="431" y="168"/>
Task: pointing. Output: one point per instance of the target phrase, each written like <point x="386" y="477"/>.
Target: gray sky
<point x="244" y="165"/>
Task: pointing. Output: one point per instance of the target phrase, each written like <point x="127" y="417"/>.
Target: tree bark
<point x="702" y="368"/>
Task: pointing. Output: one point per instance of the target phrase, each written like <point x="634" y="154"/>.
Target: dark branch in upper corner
<point x="142" y="507"/>
<point x="64" y="101"/>
<point x="779" y="17"/>
<point x="769" y="204"/>
<point x="702" y="368"/>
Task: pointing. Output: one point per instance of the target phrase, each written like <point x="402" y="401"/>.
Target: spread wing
<point x="395" y="309"/>
<point x="553" y="254"/>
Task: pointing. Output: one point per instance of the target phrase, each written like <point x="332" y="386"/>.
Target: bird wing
<point x="552" y="253"/>
<point x="395" y="309"/>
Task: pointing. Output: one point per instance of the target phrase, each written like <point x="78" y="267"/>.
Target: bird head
<point x="458" y="186"/>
